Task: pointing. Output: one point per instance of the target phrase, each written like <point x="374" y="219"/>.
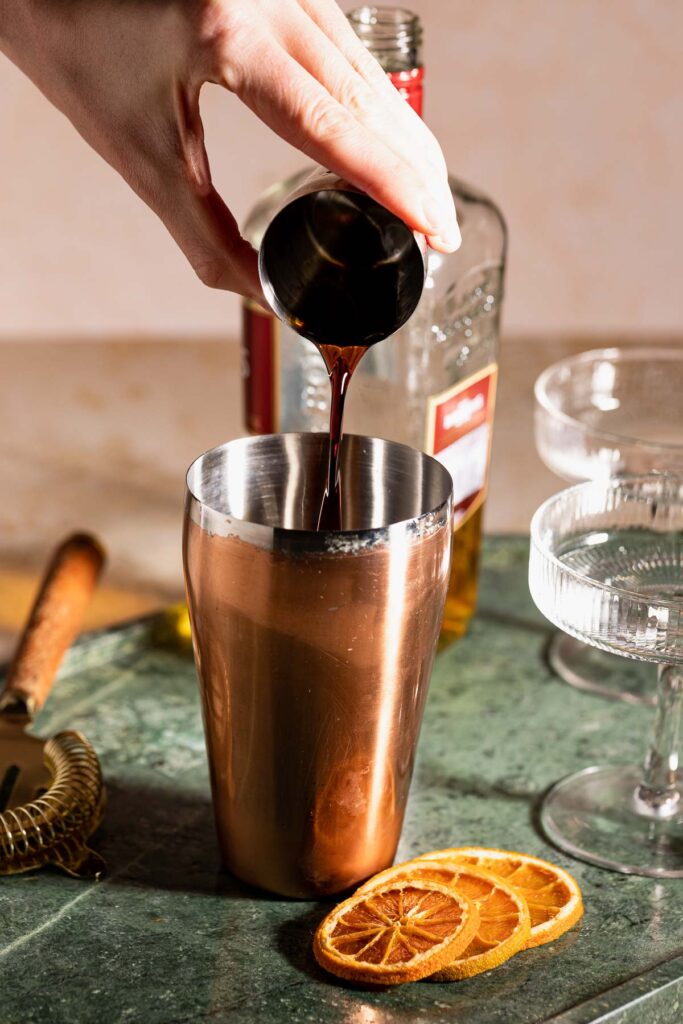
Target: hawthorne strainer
<point x="51" y="793"/>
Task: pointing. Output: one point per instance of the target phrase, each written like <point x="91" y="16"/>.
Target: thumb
<point x="208" y="234"/>
<point x="196" y="216"/>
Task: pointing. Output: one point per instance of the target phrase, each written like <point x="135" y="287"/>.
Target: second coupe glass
<point x="599" y="415"/>
<point x="606" y="566"/>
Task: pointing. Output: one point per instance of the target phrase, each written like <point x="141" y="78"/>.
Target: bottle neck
<point x="394" y="36"/>
<point x="409" y="84"/>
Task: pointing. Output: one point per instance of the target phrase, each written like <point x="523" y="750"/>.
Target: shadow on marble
<point x="525" y="622"/>
<point x="432" y="778"/>
<point x="294" y="940"/>
<point x="172" y="845"/>
<point x="160" y="837"/>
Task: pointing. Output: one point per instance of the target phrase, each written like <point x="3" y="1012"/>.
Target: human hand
<point x="128" y="76"/>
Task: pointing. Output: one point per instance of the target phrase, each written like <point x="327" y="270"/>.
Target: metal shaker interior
<point x="268" y="486"/>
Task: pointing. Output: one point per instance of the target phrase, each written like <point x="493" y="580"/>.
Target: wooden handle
<point x="53" y="624"/>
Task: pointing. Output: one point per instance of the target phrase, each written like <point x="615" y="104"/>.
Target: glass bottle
<point x="432" y="385"/>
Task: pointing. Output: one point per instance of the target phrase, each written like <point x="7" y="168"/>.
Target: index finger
<point x="328" y="16"/>
<point x="294" y="104"/>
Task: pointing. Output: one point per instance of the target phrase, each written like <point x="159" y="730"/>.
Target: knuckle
<point x="367" y="65"/>
<point x="356" y="98"/>
<point x="225" y="31"/>
<point x="209" y="270"/>
<point x="323" y="119"/>
<point x="223" y="24"/>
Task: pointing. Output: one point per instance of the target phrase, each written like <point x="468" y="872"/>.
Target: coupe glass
<point x="606" y="566"/>
<point x="598" y="415"/>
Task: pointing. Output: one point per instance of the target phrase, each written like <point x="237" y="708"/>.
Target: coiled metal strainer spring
<point x="54" y="827"/>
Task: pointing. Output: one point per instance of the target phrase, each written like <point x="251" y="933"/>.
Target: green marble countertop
<point x="170" y="938"/>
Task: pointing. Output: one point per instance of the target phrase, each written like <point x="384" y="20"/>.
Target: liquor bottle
<point x="432" y="385"/>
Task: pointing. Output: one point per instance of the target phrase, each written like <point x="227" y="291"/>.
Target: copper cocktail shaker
<point x="313" y="649"/>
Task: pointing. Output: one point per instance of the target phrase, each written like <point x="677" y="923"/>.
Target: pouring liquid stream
<point x="341" y="361"/>
<point x="352" y="270"/>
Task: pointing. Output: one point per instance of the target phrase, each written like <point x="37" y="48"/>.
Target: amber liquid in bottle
<point x="461" y="598"/>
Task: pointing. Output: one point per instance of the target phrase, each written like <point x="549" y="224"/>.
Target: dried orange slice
<point x="504" y="923"/>
<point x="401" y="931"/>
<point x="552" y="895"/>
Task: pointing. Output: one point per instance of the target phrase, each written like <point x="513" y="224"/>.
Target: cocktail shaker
<point x="313" y="649"/>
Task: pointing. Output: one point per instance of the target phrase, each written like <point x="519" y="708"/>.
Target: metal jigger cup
<point x="314" y="649"/>
<point x="338" y="266"/>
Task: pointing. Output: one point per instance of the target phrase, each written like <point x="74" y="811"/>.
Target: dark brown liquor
<point x="341" y="361"/>
<point x="336" y="265"/>
<point x="341" y="266"/>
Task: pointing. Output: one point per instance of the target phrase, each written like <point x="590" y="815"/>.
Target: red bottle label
<point x="409" y="84"/>
<point x="459" y="432"/>
<point x="260" y="369"/>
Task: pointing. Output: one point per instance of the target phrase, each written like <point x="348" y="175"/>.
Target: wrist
<point x="7" y="12"/>
<point x="18" y="26"/>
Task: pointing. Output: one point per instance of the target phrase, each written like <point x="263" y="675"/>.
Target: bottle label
<point x="459" y="433"/>
<point x="409" y="84"/>
<point x="260" y="369"/>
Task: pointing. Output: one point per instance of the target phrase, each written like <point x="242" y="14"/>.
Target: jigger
<point x="338" y="266"/>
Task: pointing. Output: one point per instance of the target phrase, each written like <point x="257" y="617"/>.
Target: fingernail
<point x="445" y="244"/>
<point x="439" y="214"/>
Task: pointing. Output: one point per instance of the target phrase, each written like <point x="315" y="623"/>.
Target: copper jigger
<point x="313" y="649"/>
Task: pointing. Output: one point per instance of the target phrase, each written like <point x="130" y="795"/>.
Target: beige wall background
<point x="568" y="112"/>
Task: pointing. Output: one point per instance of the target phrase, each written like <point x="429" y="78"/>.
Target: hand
<point x="128" y="74"/>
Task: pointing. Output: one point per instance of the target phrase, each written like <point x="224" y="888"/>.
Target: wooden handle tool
<point x="53" y="624"/>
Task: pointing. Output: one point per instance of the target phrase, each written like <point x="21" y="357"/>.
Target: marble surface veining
<point x="170" y="938"/>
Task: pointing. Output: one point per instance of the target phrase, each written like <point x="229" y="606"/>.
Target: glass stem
<point x="659" y="795"/>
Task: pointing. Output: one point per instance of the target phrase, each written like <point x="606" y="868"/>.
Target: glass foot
<point x="592" y="815"/>
<point x="609" y="675"/>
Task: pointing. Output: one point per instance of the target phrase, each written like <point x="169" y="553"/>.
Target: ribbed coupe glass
<point x="606" y="566"/>
<point x="602" y="414"/>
